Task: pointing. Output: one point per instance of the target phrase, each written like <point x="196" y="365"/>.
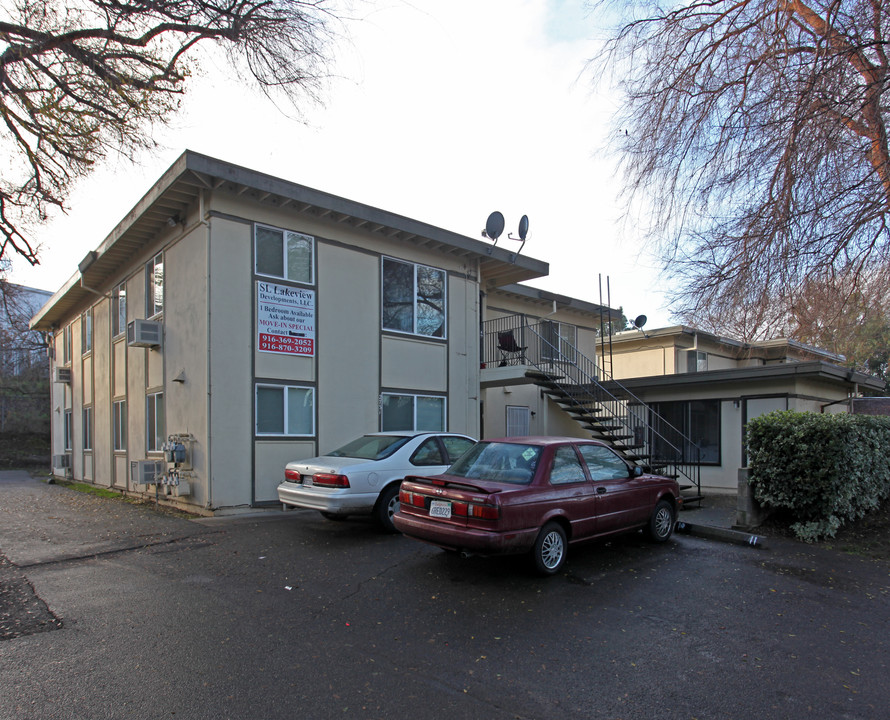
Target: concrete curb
<point x="738" y="537"/>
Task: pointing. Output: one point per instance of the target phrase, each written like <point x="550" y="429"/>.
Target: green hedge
<point x="825" y="470"/>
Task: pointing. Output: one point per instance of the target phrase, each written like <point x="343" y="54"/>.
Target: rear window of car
<point x="371" y="447"/>
<point x="512" y="463"/>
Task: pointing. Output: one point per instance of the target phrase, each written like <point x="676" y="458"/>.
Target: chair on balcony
<point x="511" y="351"/>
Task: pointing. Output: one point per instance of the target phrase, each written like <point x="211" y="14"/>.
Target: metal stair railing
<point x="607" y="409"/>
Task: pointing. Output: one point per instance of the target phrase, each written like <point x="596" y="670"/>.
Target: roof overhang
<point x="179" y="187"/>
<point x="684" y="337"/>
<point x="820" y="371"/>
<point x="553" y="301"/>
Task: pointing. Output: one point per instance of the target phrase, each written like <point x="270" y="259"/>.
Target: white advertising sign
<point x="285" y="319"/>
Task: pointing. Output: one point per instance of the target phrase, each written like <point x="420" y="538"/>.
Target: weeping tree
<point x="754" y="148"/>
<point x="80" y="79"/>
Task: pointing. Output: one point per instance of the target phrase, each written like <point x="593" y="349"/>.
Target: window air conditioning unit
<point x="144" y="333"/>
<point x="146" y="472"/>
<point x="62" y="375"/>
<point x="62" y="461"/>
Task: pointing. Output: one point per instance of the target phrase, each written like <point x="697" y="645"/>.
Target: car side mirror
<point x="637" y="471"/>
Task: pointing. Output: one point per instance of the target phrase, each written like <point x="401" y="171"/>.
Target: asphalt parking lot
<point x="124" y="612"/>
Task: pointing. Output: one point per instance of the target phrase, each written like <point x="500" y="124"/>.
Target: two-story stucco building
<point x="253" y="321"/>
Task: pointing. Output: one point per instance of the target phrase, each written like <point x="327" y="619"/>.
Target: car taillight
<point x="484" y="512"/>
<point x="473" y="510"/>
<point x="411" y="498"/>
<point x="330" y="480"/>
<point x="292" y="476"/>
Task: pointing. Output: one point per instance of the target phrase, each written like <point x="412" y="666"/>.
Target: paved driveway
<point x="289" y="615"/>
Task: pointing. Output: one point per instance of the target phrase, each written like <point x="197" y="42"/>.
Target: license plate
<point x="440" y="509"/>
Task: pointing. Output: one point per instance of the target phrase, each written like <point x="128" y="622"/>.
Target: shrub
<point x="825" y="470"/>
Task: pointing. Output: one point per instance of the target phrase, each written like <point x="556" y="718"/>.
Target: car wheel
<point x="387" y="506"/>
<point x="661" y="524"/>
<point x="332" y="516"/>
<point x="549" y="552"/>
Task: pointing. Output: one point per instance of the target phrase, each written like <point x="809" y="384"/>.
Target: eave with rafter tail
<point x="193" y="174"/>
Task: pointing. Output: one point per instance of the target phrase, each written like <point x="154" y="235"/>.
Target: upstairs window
<point x="696" y="361"/>
<point x="66" y="345"/>
<point x="86" y="329"/>
<point x="285" y="254"/>
<point x="154" y="286"/>
<point x="119" y="310"/>
<point x="413" y="298"/>
<point x="559" y="341"/>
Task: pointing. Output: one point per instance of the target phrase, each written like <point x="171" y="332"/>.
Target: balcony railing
<point x="589" y="394"/>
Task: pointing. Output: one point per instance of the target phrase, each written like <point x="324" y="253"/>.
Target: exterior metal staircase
<point x="600" y="404"/>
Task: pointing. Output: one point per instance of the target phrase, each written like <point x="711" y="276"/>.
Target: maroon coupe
<point x="537" y="495"/>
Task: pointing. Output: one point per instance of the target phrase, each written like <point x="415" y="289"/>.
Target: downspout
<point x="209" y="430"/>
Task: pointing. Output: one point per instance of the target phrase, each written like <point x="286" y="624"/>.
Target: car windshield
<point x="498" y="461"/>
<point x="371" y="447"/>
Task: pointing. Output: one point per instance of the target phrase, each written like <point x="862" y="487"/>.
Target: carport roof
<point x="193" y="173"/>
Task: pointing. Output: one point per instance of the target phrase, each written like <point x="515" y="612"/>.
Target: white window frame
<point x="119" y="310"/>
<point x="415" y="397"/>
<point x="66" y="345"/>
<point x="416" y="268"/>
<point x="119" y="422"/>
<point x="155" y="432"/>
<point x="566" y="336"/>
<point x="285" y="397"/>
<point x="518" y="420"/>
<point x="154" y="295"/>
<point x="286" y="235"/>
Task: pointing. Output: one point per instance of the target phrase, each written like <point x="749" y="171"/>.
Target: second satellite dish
<point x="523" y="227"/>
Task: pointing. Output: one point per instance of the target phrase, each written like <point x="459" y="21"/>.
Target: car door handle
<point x="601" y="490"/>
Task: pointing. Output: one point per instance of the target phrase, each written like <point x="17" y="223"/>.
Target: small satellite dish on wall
<point x="639" y="321"/>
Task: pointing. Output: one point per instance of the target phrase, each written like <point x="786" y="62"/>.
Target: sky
<point x="441" y="110"/>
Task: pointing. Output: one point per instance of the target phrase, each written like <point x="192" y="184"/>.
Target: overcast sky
<point x="443" y="110"/>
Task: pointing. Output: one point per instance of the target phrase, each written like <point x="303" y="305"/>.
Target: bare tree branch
<point x="757" y="153"/>
<point x="85" y="78"/>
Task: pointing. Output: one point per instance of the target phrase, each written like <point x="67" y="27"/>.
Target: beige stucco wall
<point x="463" y="362"/>
<point x="643" y="362"/>
<point x="230" y="392"/>
<point x="348" y="334"/>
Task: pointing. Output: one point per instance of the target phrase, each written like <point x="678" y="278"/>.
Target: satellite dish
<point x="494" y="226"/>
<point x="523" y="227"/>
<point x="639" y="321"/>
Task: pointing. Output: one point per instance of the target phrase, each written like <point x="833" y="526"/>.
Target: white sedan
<point x="363" y="476"/>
